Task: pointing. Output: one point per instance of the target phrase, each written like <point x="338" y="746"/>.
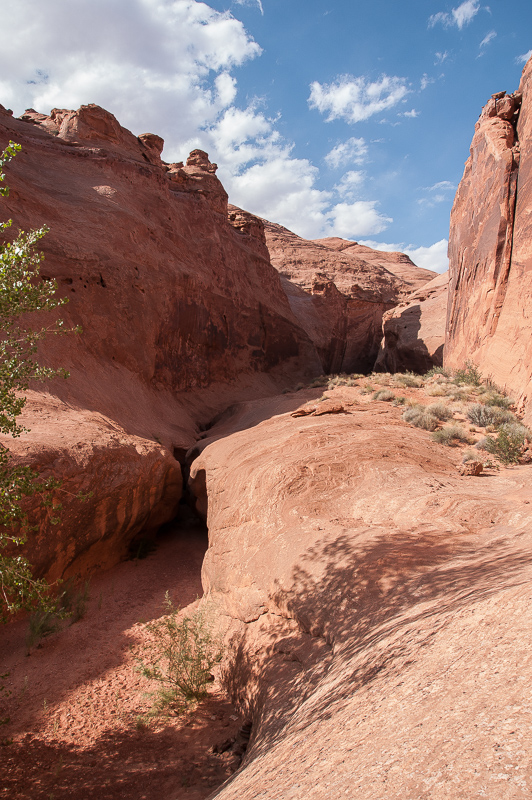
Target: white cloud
<point x="350" y="183"/>
<point x="440" y="192"/>
<point x="355" y="99"/>
<point x="426" y="81"/>
<point x="250" y="3"/>
<point x="166" y="69"/>
<point x="412" y="113"/>
<point x="441" y="57"/>
<point x="351" y="151"/>
<point x="433" y="257"/>
<point x="524" y="58"/>
<point x="487" y="39"/>
<point x="360" y="218"/>
<point x="166" y="66"/>
<point x="460" y="16"/>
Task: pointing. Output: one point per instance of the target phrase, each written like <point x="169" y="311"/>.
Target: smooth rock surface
<point x="490" y="291"/>
<point x="414" y="331"/>
<point x="379" y="605"/>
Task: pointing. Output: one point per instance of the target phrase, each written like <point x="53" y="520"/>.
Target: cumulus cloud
<point x="412" y="113"/>
<point x="167" y="66"/>
<point x="153" y="63"/>
<point x="524" y="58"/>
<point x="460" y="16"/>
<point x="356" y="98"/>
<point x="352" y="151"/>
<point x="433" y="257"/>
<point x="350" y="183"/>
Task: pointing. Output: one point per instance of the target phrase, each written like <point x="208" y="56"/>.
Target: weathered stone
<point x="471" y="468"/>
<point x="490" y="291"/>
<point x="414" y="331"/>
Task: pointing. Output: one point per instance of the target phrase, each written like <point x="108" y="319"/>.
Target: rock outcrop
<point x="414" y="331"/>
<point x="181" y="313"/>
<point x="490" y="290"/>
<point x="339" y="291"/>
<point x="378" y="603"/>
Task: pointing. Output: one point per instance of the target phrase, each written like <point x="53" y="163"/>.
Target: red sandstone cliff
<point x="490" y="290"/>
<point x="339" y="291"/>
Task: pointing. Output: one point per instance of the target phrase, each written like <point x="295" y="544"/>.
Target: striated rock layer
<point x="490" y="289"/>
<point x="339" y="291"/>
<point x="378" y="604"/>
<point x="414" y="331"/>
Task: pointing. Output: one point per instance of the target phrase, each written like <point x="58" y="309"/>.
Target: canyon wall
<point x="490" y="251"/>
<point x="339" y="291"/>
<point x="182" y="314"/>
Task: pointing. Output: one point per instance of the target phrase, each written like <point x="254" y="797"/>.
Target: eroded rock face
<point x="414" y="331"/>
<point x="339" y="291"/>
<point x="112" y="486"/>
<point x="489" y="248"/>
<point x="181" y="310"/>
<point x="378" y="603"/>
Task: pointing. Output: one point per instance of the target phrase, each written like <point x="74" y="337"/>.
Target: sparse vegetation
<point x="439" y="410"/>
<point x="182" y="653"/>
<point x="383" y="394"/>
<point x="417" y="415"/>
<point x="469" y="374"/>
<point x="409" y="380"/>
<point x="508" y="444"/>
<point x="450" y="435"/>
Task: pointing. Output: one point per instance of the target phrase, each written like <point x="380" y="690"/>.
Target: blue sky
<point x="342" y="118"/>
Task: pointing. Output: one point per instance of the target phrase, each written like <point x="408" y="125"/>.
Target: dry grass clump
<point x="419" y="416"/>
<point x="440" y="411"/>
<point x="408" y="379"/>
<point x="451" y="435"/>
<point x="383" y="394"/>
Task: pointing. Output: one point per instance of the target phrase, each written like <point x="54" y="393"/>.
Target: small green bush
<point x="42" y="623"/>
<point x="450" y="434"/>
<point x="436" y="371"/>
<point x="469" y="374"/>
<point x="508" y="443"/>
<point x="182" y="654"/>
<point x="383" y="394"/>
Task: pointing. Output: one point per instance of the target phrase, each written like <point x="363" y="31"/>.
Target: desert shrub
<point x="439" y="410"/>
<point x="408" y="379"/>
<point x="431" y="373"/>
<point x="383" y="394"/>
<point x="507" y="445"/>
<point x="469" y="374"/>
<point x="450" y="434"/>
<point x="495" y="398"/>
<point x="489" y="415"/>
<point x="418" y="416"/>
<point x="367" y="389"/>
<point x="438" y="390"/>
<point x="181" y="656"/>
<point x="399" y="401"/>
